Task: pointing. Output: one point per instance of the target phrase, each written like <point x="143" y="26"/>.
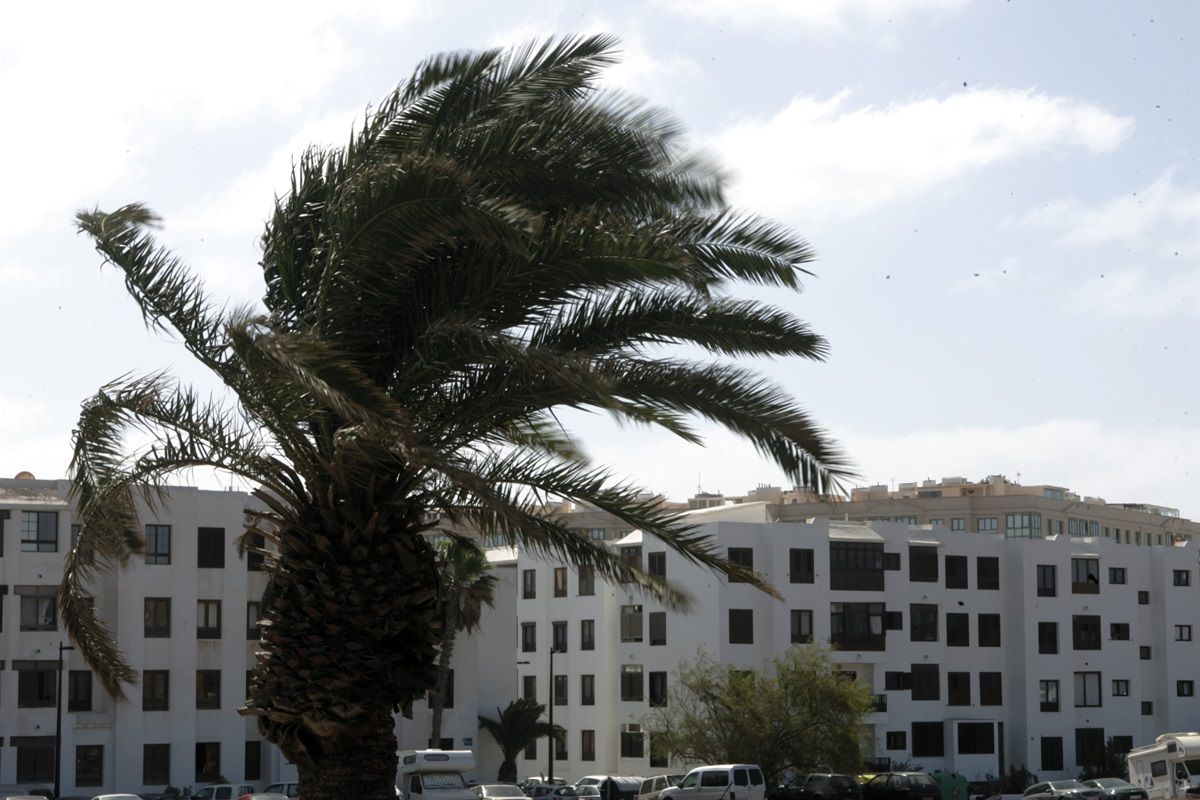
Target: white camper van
<point x="1169" y="769"/>
<point x="434" y="775"/>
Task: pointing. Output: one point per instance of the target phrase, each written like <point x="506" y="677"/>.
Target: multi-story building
<point x="184" y="615"/>
<point x="982" y="651"/>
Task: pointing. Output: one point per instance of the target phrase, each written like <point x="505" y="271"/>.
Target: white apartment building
<point x="184" y="616"/>
<point x="982" y="651"/>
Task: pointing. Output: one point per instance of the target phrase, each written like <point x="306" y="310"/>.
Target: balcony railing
<point x="846" y="641"/>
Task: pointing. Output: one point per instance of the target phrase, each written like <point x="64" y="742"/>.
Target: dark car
<point x="901" y="786"/>
<point x="1064" y="790"/>
<point x="818" y="786"/>
<point x="1117" y="789"/>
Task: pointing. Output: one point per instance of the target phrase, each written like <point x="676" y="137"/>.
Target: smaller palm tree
<point x="519" y="725"/>
<point x="467" y="585"/>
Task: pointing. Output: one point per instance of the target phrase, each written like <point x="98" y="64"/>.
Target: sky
<point x="1004" y="197"/>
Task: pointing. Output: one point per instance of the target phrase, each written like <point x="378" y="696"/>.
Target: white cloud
<point x="823" y="159"/>
<point x="1138" y="292"/>
<point x="806" y="15"/>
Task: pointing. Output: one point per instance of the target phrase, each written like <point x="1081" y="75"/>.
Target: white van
<point x="434" y="775"/>
<point x="1169" y="769"/>
<point x="719" y="782"/>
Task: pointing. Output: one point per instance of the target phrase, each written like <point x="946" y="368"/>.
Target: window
<point x="658" y="755"/>
<point x="743" y="557"/>
<point x="1144" y="652"/>
<point x="1052" y="753"/>
<point x="1085" y="576"/>
<point x="1023" y="525"/>
<point x="958" y="688"/>
<point x="991" y="689"/>
<point x="856" y="626"/>
<point x="1183" y="633"/>
<point x="958" y="630"/>
<point x="529" y="687"/>
<point x="1085" y="632"/>
<point x="1118" y="631"/>
<point x="927" y="739"/>
<point x="925" y="679"/>
<point x="254" y="751"/>
<point x="587" y="581"/>
<point x="658" y="628"/>
<point x="36" y="683"/>
<point x="155" y="689"/>
<point x="1047" y="638"/>
<point x="656" y="563"/>
<point x="658" y="689"/>
<point x="631" y="683"/>
<point x="208" y="619"/>
<point x="1122" y="744"/>
<point x="253" y="615"/>
<point x="631" y="740"/>
<point x="1147" y="708"/>
<point x="1183" y="577"/>
<point x="891" y="562"/>
<point x="907" y="520"/>
<point x="741" y="626"/>
<point x="897" y="740"/>
<point x="1048" y="695"/>
<point x="560" y="690"/>
<point x="987" y="572"/>
<point x="560" y="745"/>
<point x="856" y="566"/>
<point x="208" y="689"/>
<point x="558" y="636"/>
<point x="210" y="548"/>
<point x="986" y="525"/>
<point x="587" y="690"/>
<point x="256" y="543"/>
<point x="1047" y="580"/>
<point x="922" y="564"/>
<point x="587" y="634"/>
<point x="1116" y="575"/>
<point x="631" y="623"/>
<point x="896" y="681"/>
<point x="924" y="622"/>
<point x="632" y="555"/>
<point x="528" y="584"/>
<point x="587" y="745"/>
<point x="39" y="531"/>
<point x="1185" y="688"/>
<point x="893" y="620"/>
<point x="39" y="608"/>
<point x="35" y="758"/>
<point x="158" y="544"/>
<point x="956" y="572"/>
<point x="958" y="523"/>
<point x="976" y="738"/>
<point x="158" y="618"/>
<point x="528" y="637"/>
<point x="1143" y="598"/>
<point x="89" y="764"/>
<point x="1087" y="689"/>
<point x="156" y="764"/>
<point x="801" y="565"/>
<point x="1120" y="687"/>
<point x="531" y="751"/>
<point x="1089" y="746"/>
<point x="79" y="690"/>
<point x="802" y="626"/>
<point x="560" y="581"/>
<point x="208" y="762"/>
<point x="989" y="630"/>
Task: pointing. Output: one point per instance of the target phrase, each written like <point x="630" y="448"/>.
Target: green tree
<point x="499" y="240"/>
<point x="515" y="728"/>
<point x="798" y="715"/>
<point x="1104" y="762"/>
<point x="467" y="586"/>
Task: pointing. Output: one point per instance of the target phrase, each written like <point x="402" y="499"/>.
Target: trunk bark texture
<point x="359" y="764"/>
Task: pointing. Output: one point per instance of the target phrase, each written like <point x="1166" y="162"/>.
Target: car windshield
<point x="1110" y="783"/>
<point x="442" y="780"/>
<point x="502" y="791"/>
<point x="1193" y="766"/>
<point x="1066" y="785"/>
<point x="587" y="791"/>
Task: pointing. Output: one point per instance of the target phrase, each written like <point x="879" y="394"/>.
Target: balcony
<point x="863" y="642"/>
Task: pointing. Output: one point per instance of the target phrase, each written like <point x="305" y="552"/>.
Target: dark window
<point x="741" y="626"/>
<point x="208" y="762"/>
<point x="631" y="623"/>
<point x="1085" y="576"/>
<point x="801" y="565"/>
<point x="632" y="741"/>
<point x="254" y="758"/>
<point x="956" y="572"/>
<point x="253" y="615"/>
<point x="958" y="630"/>
<point x="79" y="690"/>
<point x="802" y="620"/>
<point x="991" y="689"/>
<point x="528" y="637"/>
<point x="158" y="544"/>
<point x="743" y="557"/>
<point x="925" y="679"/>
<point x="208" y="688"/>
<point x="1183" y="633"/>
<point x="923" y="622"/>
<point x="958" y="688"/>
<point x="255" y="545"/>
<point x="528" y="584"/>
<point x="1048" y="695"/>
<point x="658" y="628"/>
<point x="658" y="754"/>
<point x="656" y="563"/>
<point x="529" y="687"/>
<point x="560" y="690"/>
<point x="560" y="581"/>
<point x="632" y="685"/>
<point x="1048" y="637"/>
<point x="897" y="740"/>
<point x="856" y="626"/>
<point x="210" y="548"/>
<point x="1118" y="631"/>
<point x="558" y="636"/>
<point x="530" y="752"/>
<point x="587" y="581"/>
<point x="976" y="738"/>
<point x="1087" y="689"/>
<point x="1143" y="598"/>
<point x="89" y="764"/>
<point x="896" y="681"/>
<point x="587" y="690"/>
<point x="893" y="620"/>
<point x="1085" y="631"/>
<point x="987" y="572"/>
<point x="587" y="745"/>
<point x="35" y="686"/>
<point x="891" y="562"/>
<point x="1185" y="688"/>
<point x="927" y="739"/>
<point x="856" y="566"/>
<point x="1120" y="687"/>
<point x="158" y="618"/>
<point x="922" y="563"/>
<point x="156" y="764"/>
<point x="155" y="689"/>
<point x="658" y="689"/>
<point x="1122" y="744"/>
<point x="35" y="758"/>
<point x="1116" y="575"/>
<point x="208" y="619"/>
<point x="632" y="555"/>
<point x="1089" y="746"/>
<point x="989" y="630"/>
<point x="560" y="745"/>
<point x="1147" y="708"/>
<point x="39" y="531"/>
<point x="1144" y="652"/>
<point x="1047" y="580"/>
<point x="587" y="634"/>
<point x="1183" y="577"/>
<point x="1052" y="753"/>
<point x="39" y="608"/>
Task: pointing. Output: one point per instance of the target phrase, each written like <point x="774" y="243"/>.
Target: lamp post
<point x="62" y="648"/>
<point x="553" y="735"/>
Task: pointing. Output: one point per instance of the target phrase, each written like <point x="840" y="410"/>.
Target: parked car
<point x="1114" y="788"/>
<point x="25" y="790"/>
<point x="592" y="791"/>
<point x="1070" y="789"/>
<point x="222" y="791"/>
<point x="719" y="782"/>
<point x="499" y="791"/>
<point x="117" y="797"/>
<point x="901" y="786"/>
<point x="528" y="785"/>
<point x="653" y="787"/>
<point x="818" y="786"/>
<point x="291" y="790"/>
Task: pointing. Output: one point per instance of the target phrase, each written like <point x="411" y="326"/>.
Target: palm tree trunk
<point x="443" y="670"/>
<point x="508" y="771"/>
<point x="362" y="766"/>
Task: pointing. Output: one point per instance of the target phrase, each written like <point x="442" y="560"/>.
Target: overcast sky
<point x="1004" y="196"/>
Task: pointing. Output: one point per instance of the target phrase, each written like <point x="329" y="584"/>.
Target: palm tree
<point x="499" y="240"/>
<point x="467" y="586"/>
<point x="515" y="728"/>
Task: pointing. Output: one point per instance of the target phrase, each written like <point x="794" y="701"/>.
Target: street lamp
<point x="58" y="720"/>
<point x="553" y="735"/>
